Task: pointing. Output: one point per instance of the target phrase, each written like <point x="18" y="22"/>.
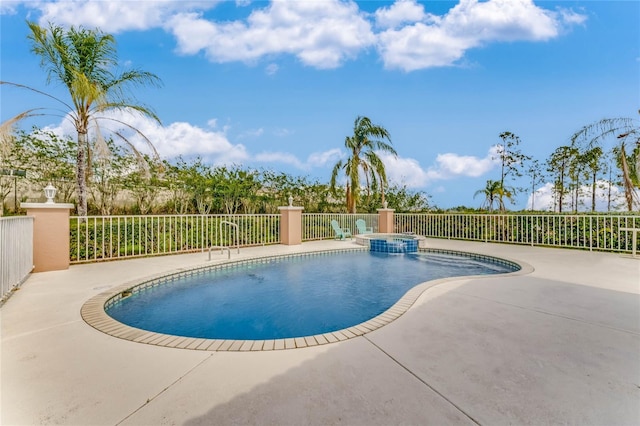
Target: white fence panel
<point x="16" y="252"/>
<point x="96" y="238"/>
<point x="588" y="232"/>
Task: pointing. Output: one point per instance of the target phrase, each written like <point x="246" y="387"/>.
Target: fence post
<point x="291" y="225"/>
<point x="50" y="235"/>
<point x="385" y="220"/>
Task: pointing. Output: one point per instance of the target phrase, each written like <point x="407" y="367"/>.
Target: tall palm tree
<point x="625" y="130"/>
<point x="83" y="61"/>
<point x="367" y="138"/>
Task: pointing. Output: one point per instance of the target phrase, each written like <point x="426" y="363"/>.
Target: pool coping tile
<point x="310" y="341"/>
<point x="321" y="339"/>
<point x="236" y="345"/>
<point x="247" y="345"/>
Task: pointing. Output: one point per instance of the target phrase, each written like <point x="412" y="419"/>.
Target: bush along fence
<point x="590" y="232"/>
<point x="97" y="238"/>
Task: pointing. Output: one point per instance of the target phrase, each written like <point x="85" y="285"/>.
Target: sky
<point x="278" y="85"/>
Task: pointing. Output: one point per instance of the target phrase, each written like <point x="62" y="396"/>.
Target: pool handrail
<point x="222" y="247"/>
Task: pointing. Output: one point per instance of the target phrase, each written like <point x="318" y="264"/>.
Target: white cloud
<point x="419" y="46"/>
<point x="546" y="200"/>
<point x="271" y="69"/>
<point x="401" y="12"/>
<point x="281" y="132"/>
<point x="114" y="16"/>
<point x="8" y="7"/>
<point x="405" y="171"/>
<point x="251" y="133"/>
<point x="469" y="24"/>
<point x="321" y="34"/>
<point x="450" y="165"/>
<point x="175" y="139"/>
<point x="543" y="199"/>
<point x="408" y="171"/>
<point x="280" y="157"/>
<point x="314" y="160"/>
<point x="322" y="159"/>
<point x="180" y="138"/>
<point x="502" y="20"/>
<point x="184" y="139"/>
<point x="572" y="18"/>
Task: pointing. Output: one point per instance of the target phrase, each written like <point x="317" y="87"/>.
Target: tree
<point x="610" y="157"/>
<point x="109" y="172"/>
<point x="493" y="192"/>
<point x="197" y="180"/>
<point x="558" y="165"/>
<point x="278" y="186"/>
<point x="591" y="160"/>
<point x="10" y="160"/>
<point x="235" y="188"/>
<point x="83" y="61"/>
<point x="576" y="172"/>
<point x="144" y="184"/>
<point x="403" y="199"/>
<point x="48" y="158"/>
<point x="174" y="181"/>
<point x="626" y="131"/>
<point x="535" y="172"/>
<point x="511" y="161"/>
<point x="367" y="138"/>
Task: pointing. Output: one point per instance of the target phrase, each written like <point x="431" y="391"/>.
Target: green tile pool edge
<point x="93" y="311"/>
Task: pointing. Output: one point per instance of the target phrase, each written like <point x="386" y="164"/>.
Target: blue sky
<point x="278" y="85"/>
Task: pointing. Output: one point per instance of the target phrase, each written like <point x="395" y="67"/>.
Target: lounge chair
<point x="363" y="228"/>
<point x="341" y="233"/>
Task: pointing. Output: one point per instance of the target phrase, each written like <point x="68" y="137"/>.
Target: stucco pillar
<point x="50" y="235"/>
<point x="385" y="220"/>
<point x="291" y="225"/>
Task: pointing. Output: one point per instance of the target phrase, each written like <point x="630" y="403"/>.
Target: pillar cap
<point x="290" y="208"/>
<point x="47" y="206"/>
<point x="386" y="210"/>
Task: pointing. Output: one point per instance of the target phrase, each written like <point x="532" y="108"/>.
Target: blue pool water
<point x="292" y="297"/>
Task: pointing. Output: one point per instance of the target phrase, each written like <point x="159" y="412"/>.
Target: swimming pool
<point x="292" y="297"/>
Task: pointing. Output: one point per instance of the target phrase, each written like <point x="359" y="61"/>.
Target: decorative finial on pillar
<point x="50" y="193"/>
<point x="290" y="201"/>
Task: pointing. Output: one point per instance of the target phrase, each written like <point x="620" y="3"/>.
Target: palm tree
<point x="494" y="192"/>
<point x="626" y="130"/>
<point x="367" y="138"/>
<point x="83" y="60"/>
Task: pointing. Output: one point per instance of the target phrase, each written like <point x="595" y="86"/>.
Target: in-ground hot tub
<point x="392" y="243"/>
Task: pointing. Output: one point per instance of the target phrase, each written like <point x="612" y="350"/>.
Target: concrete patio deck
<point x="559" y="345"/>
